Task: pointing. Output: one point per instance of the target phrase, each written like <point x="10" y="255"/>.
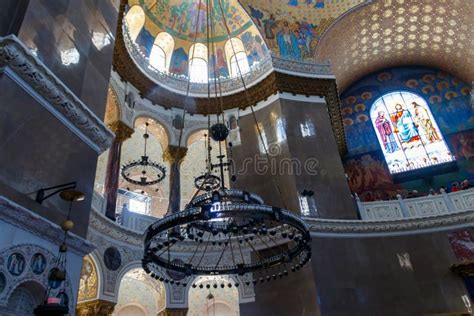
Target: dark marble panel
<point x="66" y="34"/>
<point x="254" y="171"/>
<point x="364" y="276"/>
<point x="294" y="295"/>
<point x="327" y="178"/>
<point x="38" y="151"/>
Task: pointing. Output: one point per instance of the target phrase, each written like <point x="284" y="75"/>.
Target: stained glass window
<point x="407" y="132"/>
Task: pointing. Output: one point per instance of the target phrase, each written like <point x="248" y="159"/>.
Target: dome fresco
<point x="167" y="38"/>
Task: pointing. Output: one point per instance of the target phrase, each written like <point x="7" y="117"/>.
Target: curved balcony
<point x="446" y="211"/>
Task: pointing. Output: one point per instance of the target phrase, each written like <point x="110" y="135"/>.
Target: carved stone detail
<point x="17" y="62"/>
<point x="95" y="308"/>
<point x="173" y="312"/>
<point x="121" y="130"/>
<point x="174" y="154"/>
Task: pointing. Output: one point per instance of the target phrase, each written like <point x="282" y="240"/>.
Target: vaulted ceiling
<point x="388" y="33"/>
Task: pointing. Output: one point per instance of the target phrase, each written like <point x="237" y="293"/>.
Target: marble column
<point x="122" y="132"/>
<point x="173" y="312"/>
<point x="174" y="155"/>
<point x="95" y="308"/>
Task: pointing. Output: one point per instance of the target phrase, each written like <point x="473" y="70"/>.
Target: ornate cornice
<point x="360" y="228"/>
<point x="24" y="219"/>
<point x="18" y="63"/>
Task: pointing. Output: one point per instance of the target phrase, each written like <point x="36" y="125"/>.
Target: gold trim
<point x="464" y="269"/>
<point x="121" y="130"/>
<point x="95" y="308"/>
<point x="174" y="154"/>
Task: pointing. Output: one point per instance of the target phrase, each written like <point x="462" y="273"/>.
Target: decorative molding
<point x="121" y="130"/>
<point x="19" y="64"/>
<point x="408" y="226"/>
<point x="95" y="308"/>
<point x="24" y="219"/>
<point x="174" y="154"/>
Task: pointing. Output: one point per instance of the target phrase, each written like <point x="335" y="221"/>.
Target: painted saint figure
<point x="404" y="126"/>
<point x="422" y="119"/>
<point x="288" y="43"/>
<point x="386" y="133"/>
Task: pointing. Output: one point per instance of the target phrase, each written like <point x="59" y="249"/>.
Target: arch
<point x="25" y="297"/>
<point x="139" y="289"/>
<point x="131" y="310"/>
<point x="135" y="20"/>
<point x="89" y="283"/>
<point x="113" y="112"/>
<point x="231" y="297"/>
<point x="156" y="129"/>
<point x="198" y="70"/>
<point x="138" y="265"/>
<point x="236" y="57"/>
<point x="407" y="132"/>
<point x="160" y="55"/>
<point x="221" y="308"/>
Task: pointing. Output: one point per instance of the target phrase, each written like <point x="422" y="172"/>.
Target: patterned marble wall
<point x="448" y="98"/>
<point x="75" y="40"/>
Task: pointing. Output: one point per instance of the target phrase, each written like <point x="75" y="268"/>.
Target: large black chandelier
<point x="224" y="231"/>
<point x="143" y="171"/>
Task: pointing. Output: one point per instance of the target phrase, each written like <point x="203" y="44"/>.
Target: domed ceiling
<point x="175" y="26"/>
<point x="292" y="28"/>
<point x="383" y="34"/>
<point x="187" y="20"/>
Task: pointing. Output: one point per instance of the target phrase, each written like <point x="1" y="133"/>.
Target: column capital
<point x="121" y="130"/>
<point x="173" y="312"/>
<point x="174" y="154"/>
<point x="95" y="308"/>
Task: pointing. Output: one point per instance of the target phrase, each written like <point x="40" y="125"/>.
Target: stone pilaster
<point x="95" y="308"/>
<point x="122" y="132"/>
<point x="174" y="155"/>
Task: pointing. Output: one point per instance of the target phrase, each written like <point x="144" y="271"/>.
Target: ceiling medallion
<point x="143" y="171"/>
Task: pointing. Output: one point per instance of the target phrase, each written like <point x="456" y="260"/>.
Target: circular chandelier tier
<point x="143" y="171"/>
<point x="228" y="232"/>
<point x="207" y="182"/>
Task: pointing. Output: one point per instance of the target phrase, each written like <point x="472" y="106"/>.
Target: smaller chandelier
<point x="143" y="171"/>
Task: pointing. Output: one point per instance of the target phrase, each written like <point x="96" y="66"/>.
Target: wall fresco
<point x="449" y="101"/>
<point x="292" y="28"/>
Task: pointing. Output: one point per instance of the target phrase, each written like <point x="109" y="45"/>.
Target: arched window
<point x="236" y="57"/>
<point x="198" y="63"/>
<point x="407" y="132"/>
<point x="135" y="19"/>
<point x="160" y="55"/>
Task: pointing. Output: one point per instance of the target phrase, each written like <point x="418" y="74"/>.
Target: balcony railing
<point x="431" y="205"/>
